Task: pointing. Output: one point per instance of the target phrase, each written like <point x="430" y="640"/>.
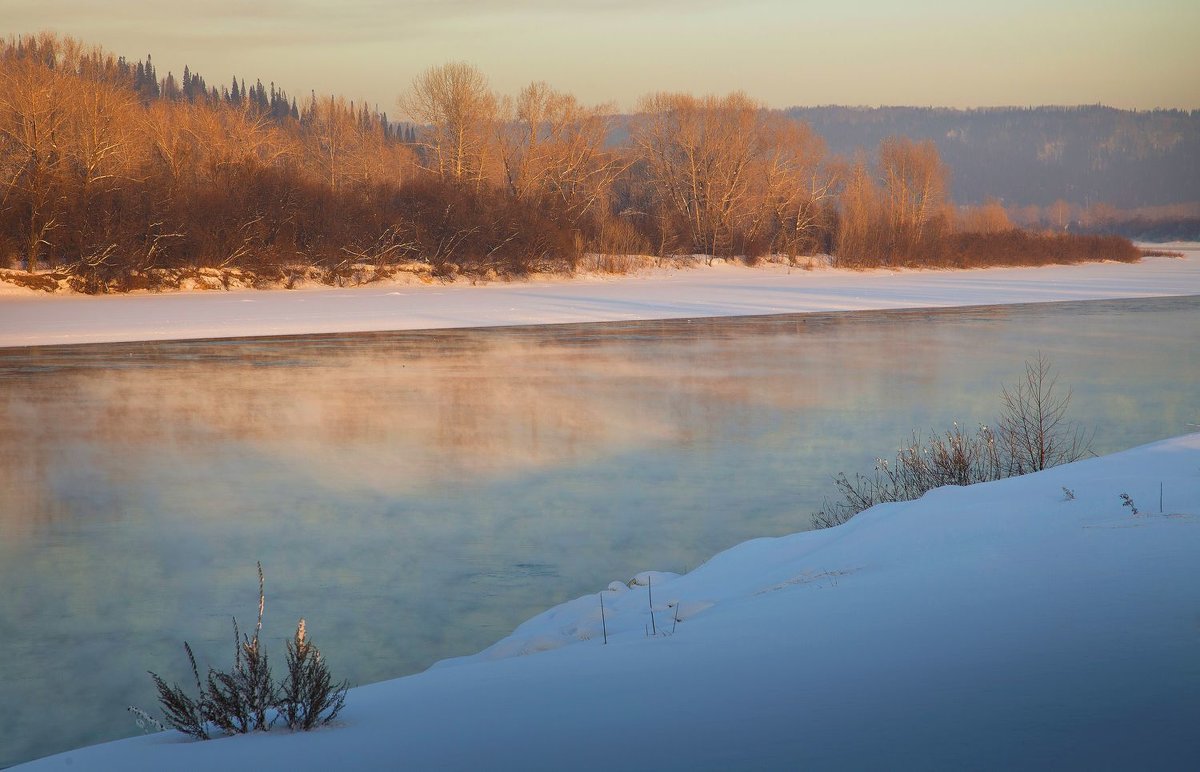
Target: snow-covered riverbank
<point x="1003" y="625"/>
<point x="28" y="318"/>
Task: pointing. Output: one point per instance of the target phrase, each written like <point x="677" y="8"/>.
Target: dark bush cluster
<point x="246" y="698"/>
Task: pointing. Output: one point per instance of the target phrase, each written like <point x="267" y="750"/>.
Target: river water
<point x="417" y="495"/>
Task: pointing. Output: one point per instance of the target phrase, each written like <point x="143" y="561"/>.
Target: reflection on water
<point x="417" y="495"/>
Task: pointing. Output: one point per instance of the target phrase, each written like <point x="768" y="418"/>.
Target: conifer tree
<point x="169" y="89"/>
<point x="151" y="80"/>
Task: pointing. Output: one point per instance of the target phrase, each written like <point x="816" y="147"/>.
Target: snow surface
<point x="29" y="318"/>
<point x="996" y="626"/>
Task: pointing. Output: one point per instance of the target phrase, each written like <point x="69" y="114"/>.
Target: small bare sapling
<point x="603" y="622"/>
<point x="650" y="595"/>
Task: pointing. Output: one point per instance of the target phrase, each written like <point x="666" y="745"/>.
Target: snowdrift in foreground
<point x="1003" y="625"/>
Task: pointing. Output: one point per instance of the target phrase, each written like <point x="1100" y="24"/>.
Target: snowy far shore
<point x="1034" y="622"/>
<point x="28" y="318"/>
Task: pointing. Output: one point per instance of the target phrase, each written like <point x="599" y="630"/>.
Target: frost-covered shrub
<point x="245" y="698"/>
<point x="308" y="697"/>
<point x="181" y="711"/>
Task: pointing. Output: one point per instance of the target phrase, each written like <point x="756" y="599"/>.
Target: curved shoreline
<point x="1030" y="627"/>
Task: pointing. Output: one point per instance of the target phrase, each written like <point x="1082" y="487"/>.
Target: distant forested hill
<point x="1083" y="155"/>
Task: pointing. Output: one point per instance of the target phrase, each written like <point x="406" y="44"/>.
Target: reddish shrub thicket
<point x="1020" y="248"/>
<point x="978" y="250"/>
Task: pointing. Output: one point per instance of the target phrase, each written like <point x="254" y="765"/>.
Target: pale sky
<point x="963" y="53"/>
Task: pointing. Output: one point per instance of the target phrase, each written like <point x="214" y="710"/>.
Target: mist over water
<point x="417" y="495"/>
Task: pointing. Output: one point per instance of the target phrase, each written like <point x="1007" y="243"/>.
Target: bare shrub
<point x="245" y="699"/>
<point x="618" y="236"/>
<point x="181" y="711"/>
<point x="1032" y="433"/>
<point x="954" y="457"/>
<point x="237" y="701"/>
<point x="308" y="696"/>
<point x="615" y="264"/>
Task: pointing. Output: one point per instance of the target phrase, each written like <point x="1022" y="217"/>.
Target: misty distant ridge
<point x="1037" y="155"/>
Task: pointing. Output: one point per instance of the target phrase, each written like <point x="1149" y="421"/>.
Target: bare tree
<point x="1059" y="215"/>
<point x="791" y="187"/>
<point x="330" y="137"/>
<point x="861" y="215"/>
<point x="554" y="149"/>
<point x="992" y="217"/>
<point x="243" y="150"/>
<point x="34" y="115"/>
<point x="175" y="147"/>
<point x="103" y="154"/>
<point x="1033" y="424"/>
<point x="456" y="109"/>
<point x="699" y="153"/>
<point x="915" y="181"/>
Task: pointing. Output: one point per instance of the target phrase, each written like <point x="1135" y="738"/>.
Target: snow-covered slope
<point x="998" y="626"/>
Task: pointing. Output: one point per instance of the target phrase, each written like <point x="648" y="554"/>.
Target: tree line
<point x="110" y="179"/>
